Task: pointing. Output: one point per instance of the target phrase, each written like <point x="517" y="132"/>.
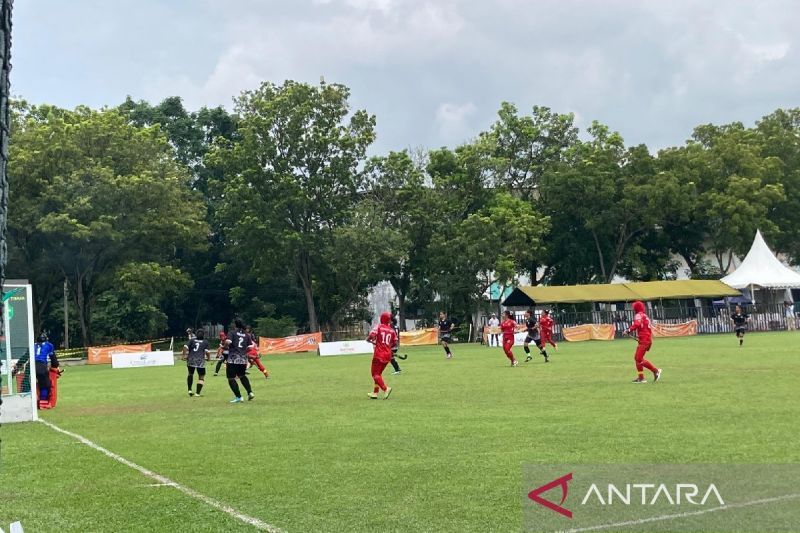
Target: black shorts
<point x="201" y="371"/>
<point x="233" y="370"/>
<point x="42" y="375"/>
<point x="537" y="342"/>
<point x="446" y="337"/>
<point x="739" y="331"/>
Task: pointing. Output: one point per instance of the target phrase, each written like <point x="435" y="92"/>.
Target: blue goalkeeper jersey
<point x="44" y="352"/>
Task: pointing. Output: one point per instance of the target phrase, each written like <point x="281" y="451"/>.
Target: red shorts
<point x="378" y="366"/>
<point x="641" y="350"/>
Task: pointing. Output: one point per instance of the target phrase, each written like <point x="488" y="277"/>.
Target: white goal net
<point x="17" y="368"/>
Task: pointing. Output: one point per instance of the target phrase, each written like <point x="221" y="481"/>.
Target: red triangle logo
<point x="562" y="482"/>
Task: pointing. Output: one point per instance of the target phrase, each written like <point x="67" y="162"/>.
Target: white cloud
<point x="433" y="71"/>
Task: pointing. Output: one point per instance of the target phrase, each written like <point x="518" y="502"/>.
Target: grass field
<point x="445" y="453"/>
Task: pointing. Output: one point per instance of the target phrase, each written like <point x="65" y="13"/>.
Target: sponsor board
<point x="345" y="348"/>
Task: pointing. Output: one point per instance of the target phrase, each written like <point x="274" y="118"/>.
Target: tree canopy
<point x="279" y="212"/>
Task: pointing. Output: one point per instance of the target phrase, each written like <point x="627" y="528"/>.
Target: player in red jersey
<point x="641" y="325"/>
<point x="384" y="337"/>
<point x="546" y="329"/>
<point x="509" y="328"/>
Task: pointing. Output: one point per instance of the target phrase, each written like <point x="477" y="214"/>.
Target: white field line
<point x="255" y="522"/>
<point x="686" y="514"/>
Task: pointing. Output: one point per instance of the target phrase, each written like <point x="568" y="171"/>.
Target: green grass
<point x="445" y="453"/>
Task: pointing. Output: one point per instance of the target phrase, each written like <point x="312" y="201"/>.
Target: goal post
<point x="18" y="369"/>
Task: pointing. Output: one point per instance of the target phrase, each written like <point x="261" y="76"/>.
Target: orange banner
<point x="419" y="337"/>
<point x="586" y="332"/>
<point x="102" y="355"/>
<point x="293" y="344"/>
<point x="675" y="330"/>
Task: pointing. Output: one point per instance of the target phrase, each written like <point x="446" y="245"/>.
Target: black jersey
<point x="533" y="327"/>
<point x="240" y="341"/>
<point x="739" y="319"/>
<point x="445" y="326"/>
<point x="197" y="353"/>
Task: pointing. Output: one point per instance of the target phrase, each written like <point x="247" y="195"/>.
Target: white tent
<point x="762" y="269"/>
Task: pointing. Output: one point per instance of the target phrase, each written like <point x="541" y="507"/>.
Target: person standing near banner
<point x="494" y="330"/>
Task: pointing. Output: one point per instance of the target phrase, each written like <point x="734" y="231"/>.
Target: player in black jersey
<point x="533" y="335"/>
<point x="238" y="344"/>
<point x="740" y="323"/>
<point x="196" y="352"/>
<point x="395" y="357"/>
<point x="445" y="331"/>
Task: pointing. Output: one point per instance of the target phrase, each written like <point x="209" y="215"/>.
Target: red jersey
<point x="546" y="323"/>
<point x="384" y="337"/>
<point x="641" y="324"/>
<point x="252" y="351"/>
<point x="509" y="327"/>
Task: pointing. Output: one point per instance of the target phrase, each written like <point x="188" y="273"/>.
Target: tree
<point x="397" y="189"/>
<point x="524" y="148"/>
<point x="779" y="137"/>
<point x="738" y="188"/>
<point x="99" y="193"/>
<point x="133" y="307"/>
<point x="292" y="175"/>
<point x="609" y="199"/>
<point x="497" y="242"/>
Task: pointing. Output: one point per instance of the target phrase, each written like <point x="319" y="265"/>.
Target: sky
<point x="434" y="72"/>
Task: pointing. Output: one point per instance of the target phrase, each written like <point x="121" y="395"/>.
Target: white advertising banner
<point x="344" y="347"/>
<point x="140" y="359"/>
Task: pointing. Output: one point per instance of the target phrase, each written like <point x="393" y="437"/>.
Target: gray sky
<point x="434" y="72"/>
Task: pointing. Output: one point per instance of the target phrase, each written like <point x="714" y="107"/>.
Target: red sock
<point x="375" y="389"/>
<point x="379" y="381"/>
<point x="257" y="362"/>
<point x="641" y="375"/>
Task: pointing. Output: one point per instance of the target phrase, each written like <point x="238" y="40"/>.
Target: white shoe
<point x="395" y="373"/>
<point x="387" y="393"/>
<point x="515" y="363"/>
<point x="657" y="375"/>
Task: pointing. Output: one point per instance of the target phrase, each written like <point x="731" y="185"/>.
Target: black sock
<point x="234" y="387"/>
<point x="544" y="353"/>
<point x="189" y="380"/>
<point x="246" y="383"/>
<point x="447" y="350"/>
<point x="395" y="365"/>
<point x="527" y="350"/>
<point x="219" y="364"/>
<point x="199" y="386"/>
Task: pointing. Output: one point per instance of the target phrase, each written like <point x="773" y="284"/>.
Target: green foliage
<point x="275" y="214"/>
<point x="98" y="193"/>
<point x="132" y="308"/>
<point x="292" y="176"/>
<point x="275" y="327"/>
